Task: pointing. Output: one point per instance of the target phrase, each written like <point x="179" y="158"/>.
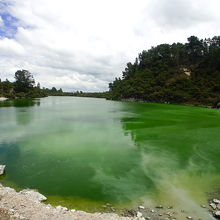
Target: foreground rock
<point x="217" y="214"/>
<point x="215" y="205"/>
<point x="26" y="205"/>
<point x="216" y="201"/>
<point x="33" y="195"/>
<point x="2" y="169"/>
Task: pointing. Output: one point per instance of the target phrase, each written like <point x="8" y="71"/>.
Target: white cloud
<point x="84" y="44"/>
<point x="11" y="48"/>
<point x="180" y="14"/>
<point x="1" y="22"/>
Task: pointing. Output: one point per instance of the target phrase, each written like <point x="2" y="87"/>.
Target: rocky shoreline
<point x="27" y="205"/>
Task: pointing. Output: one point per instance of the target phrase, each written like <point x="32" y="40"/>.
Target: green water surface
<point x="86" y="152"/>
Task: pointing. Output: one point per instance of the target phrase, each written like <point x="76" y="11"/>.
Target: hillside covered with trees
<point x="179" y="73"/>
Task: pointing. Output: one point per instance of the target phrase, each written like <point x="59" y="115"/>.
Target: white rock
<point x="48" y="207"/>
<point x="72" y="210"/>
<point x="33" y="195"/>
<point x="8" y="189"/>
<point x="141" y="207"/>
<point x="65" y="209"/>
<point x="213" y="205"/>
<point x="189" y="217"/>
<point x="139" y="214"/>
<point x="169" y="214"/>
<point x="2" y="169"/>
<point x="16" y="215"/>
<point x="217" y="214"/>
<point x="61" y="208"/>
<point x="216" y="201"/>
<point x="152" y="211"/>
<point x="11" y="210"/>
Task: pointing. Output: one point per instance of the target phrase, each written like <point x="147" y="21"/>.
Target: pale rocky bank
<point x="27" y="205"/>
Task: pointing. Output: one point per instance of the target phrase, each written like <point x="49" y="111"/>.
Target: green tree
<point x="24" y="81"/>
<point x="7" y="88"/>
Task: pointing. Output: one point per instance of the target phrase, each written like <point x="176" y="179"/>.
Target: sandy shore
<point x="15" y="206"/>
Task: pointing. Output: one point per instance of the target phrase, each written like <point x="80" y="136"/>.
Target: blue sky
<point x="9" y="27"/>
<point x="84" y="45"/>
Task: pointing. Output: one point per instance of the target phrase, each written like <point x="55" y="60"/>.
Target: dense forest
<point x="179" y="73"/>
<point x="24" y="87"/>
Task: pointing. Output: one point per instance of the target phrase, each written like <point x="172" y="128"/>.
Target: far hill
<point x="179" y="73"/>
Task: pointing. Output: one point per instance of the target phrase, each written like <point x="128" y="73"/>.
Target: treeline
<point x="54" y="92"/>
<point x="179" y="73"/>
<point x="91" y="94"/>
<point x="24" y="87"/>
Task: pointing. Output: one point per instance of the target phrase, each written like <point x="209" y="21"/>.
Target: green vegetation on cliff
<point x="179" y="73"/>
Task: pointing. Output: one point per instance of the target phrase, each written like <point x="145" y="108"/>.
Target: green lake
<point x="85" y="152"/>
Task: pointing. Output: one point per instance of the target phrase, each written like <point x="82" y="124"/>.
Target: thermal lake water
<point x="83" y="152"/>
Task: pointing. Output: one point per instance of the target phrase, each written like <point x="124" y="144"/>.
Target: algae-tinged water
<point x="85" y="152"/>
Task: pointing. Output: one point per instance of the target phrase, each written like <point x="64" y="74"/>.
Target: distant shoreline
<point x="125" y="100"/>
<point x="182" y="104"/>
